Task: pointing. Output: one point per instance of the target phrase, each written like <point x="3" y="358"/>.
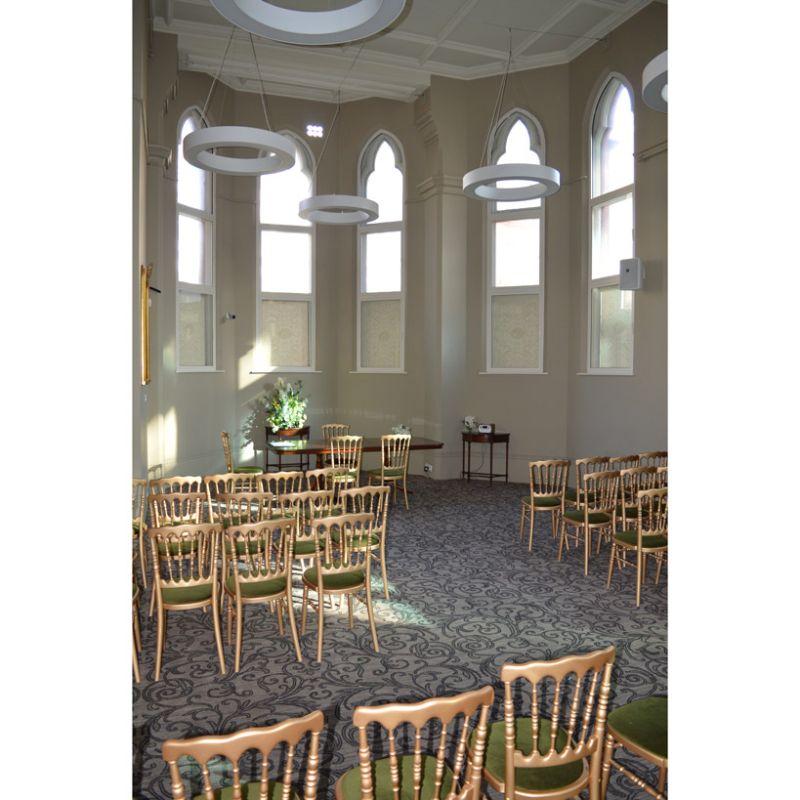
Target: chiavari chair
<point x="631" y="481"/>
<point x="623" y="462"/>
<point x="554" y="751"/>
<point x="329" y="430"/>
<point x="303" y="508"/>
<point x="370" y="500"/>
<point x="583" y="467"/>
<point x="346" y="460"/>
<point x="653" y="458"/>
<point x="229" y="465"/>
<point x="280" y="744"/>
<point x="442" y="768"/>
<point x="318" y="479"/>
<point x="139" y="522"/>
<point x="394" y="463"/>
<point x="181" y="484"/>
<point x="281" y="483"/>
<point x="185" y="558"/>
<point x="548" y="486"/>
<point x="347" y="572"/>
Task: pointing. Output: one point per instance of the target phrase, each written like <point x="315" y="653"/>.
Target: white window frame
<point x="366" y="164"/>
<point x="260" y="364"/>
<point x="208" y="219"/>
<point x="607" y="198"/>
<point x="493" y="216"/>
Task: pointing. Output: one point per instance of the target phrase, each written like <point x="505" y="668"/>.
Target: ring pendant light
<point x="654" y="83"/>
<point x="335" y="26"/>
<point x="275" y="153"/>
<point x="483" y="183"/>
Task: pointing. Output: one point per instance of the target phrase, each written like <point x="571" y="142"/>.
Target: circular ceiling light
<point x="275" y="152"/>
<point x="336" y="26"/>
<point x="654" y="83"/>
<point x="338" y="209"/>
<point x="483" y="183"/>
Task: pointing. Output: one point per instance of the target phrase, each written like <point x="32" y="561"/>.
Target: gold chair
<point x="177" y="507"/>
<point x="330" y="430"/>
<point x="583" y="467"/>
<point x="347" y="573"/>
<point x="315" y="480"/>
<point x="257" y="568"/>
<point x="137" y="637"/>
<point x="242" y="508"/>
<point x="548" y="486"/>
<point x="394" y="463"/>
<point x="623" y="462"/>
<point x="346" y="460"/>
<point x="649" y="537"/>
<point x="228" y="483"/>
<point x="653" y="458"/>
<point x="185" y="558"/>
<point x="177" y="483"/>
<point x="631" y="481"/>
<point x="303" y="508"/>
<point x="139" y="496"/>
<point x="597" y="512"/>
<point x="226" y="449"/>
<point x="287" y="736"/>
<point x="641" y="728"/>
<point x="370" y="500"/>
<point x="281" y="483"/>
<point x="445" y="771"/>
<point x="558" y="755"/>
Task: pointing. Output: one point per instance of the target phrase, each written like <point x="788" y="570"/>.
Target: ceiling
<point x="455" y="38"/>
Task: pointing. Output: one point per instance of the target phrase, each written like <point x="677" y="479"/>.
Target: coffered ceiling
<point x="454" y="38"/>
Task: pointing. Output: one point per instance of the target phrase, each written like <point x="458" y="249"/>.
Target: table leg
<point x="491" y="461"/>
<point x="506" y="460"/>
<point x="469" y="461"/>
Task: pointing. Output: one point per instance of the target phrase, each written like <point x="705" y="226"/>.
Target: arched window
<point x="195" y="328"/>
<point x="381" y="285"/>
<point x="515" y="294"/>
<point x="611" y="220"/>
<point x="286" y="268"/>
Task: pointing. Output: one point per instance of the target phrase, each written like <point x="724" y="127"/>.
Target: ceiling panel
<point x="459" y="58"/>
<point x="428" y="18"/>
<point x="397" y="47"/>
<point x="581" y="19"/>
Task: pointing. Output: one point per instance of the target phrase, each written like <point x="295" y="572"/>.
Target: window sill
<point x="610" y="373"/>
<point x="378" y="371"/>
<point x="199" y="370"/>
<point x="514" y="372"/>
<point x="273" y="370"/>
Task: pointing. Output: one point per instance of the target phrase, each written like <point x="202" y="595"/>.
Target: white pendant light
<point x="334" y="26"/>
<point x="274" y="152"/>
<point x="654" y="83"/>
<point x="339" y="209"/>
<point x="530" y="181"/>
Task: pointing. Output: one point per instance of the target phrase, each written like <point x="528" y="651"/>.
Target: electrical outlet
<point x="429" y="468"/>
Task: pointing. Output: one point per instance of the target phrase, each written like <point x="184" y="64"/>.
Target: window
<point x="381" y="285"/>
<point x="611" y="226"/>
<point x="514" y="299"/>
<point x="286" y="268"/>
<point x="195" y="314"/>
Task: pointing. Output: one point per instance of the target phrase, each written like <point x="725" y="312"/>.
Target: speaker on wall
<point x="631" y="273"/>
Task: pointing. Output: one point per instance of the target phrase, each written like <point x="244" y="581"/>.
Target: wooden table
<point x="319" y="448"/>
<point x="467" y="440"/>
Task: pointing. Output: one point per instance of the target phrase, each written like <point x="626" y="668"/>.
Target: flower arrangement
<point x="286" y="406"/>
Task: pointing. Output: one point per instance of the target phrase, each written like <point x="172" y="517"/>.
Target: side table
<point x="294" y="433"/>
<point x="491" y="439"/>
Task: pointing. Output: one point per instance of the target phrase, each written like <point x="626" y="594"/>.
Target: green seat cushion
<point x="537" y="778"/>
<point x="630" y="538"/>
<point x="359" y="541"/>
<point x="595" y="517"/>
<point x="391" y="472"/>
<point x="252" y="546"/>
<point x="305" y="547"/>
<point x="350" y="785"/>
<point x="248" y="470"/>
<point x="250" y="791"/>
<point x="572" y="494"/>
<point x="338" y="580"/>
<point x="135" y="525"/>
<point x="644" y="723"/>
<point x="186" y="594"/>
<point x="546" y="502"/>
<point x="257" y="588"/>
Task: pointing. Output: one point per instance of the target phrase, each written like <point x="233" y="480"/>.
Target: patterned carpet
<point x="466" y="596"/>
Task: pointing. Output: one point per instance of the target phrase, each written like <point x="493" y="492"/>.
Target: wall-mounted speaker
<point x="631" y="273"/>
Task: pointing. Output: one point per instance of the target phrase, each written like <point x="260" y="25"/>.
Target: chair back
<point x="177" y="508"/>
<point x="623" y="462"/>
<point x="601" y="492"/>
<point x="394" y="451"/>
<point x="242" y="508"/>
<point x="663" y="476"/>
<point x="226" y="451"/>
<point x="230" y="483"/>
<point x="651" y="517"/>
<point x="548" y="478"/>
<point x="346" y="455"/>
<point x="634" y="479"/>
<point x="584" y="467"/>
<point x="568" y="709"/>
<point x="138" y="498"/>
<point x="653" y="458"/>
<point x="368" y="500"/>
<point x="286" y="736"/>
<point x="445" y="723"/>
<point x="319" y="479"/>
<point x="280" y="483"/>
<point x="177" y="483"/>
<point x="350" y="556"/>
<point x="302" y="508"/>
<point x="185" y="556"/>
<point x="332" y="429"/>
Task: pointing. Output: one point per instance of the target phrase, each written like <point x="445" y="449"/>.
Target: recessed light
<point x="314" y="131"/>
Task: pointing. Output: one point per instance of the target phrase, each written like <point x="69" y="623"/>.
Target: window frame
<point x="493" y="216"/>
<point x="260" y="363"/>
<point x="208" y="220"/>
<point x="366" y="165"/>
<point x="610" y="197"/>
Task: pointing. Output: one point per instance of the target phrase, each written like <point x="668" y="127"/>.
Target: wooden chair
<point x="653" y="458"/>
<point x="568" y="706"/>
<point x="228" y="483"/>
<point x="394" y="463"/>
<point x="631" y="481"/>
<point x="444" y="771"/>
<point x="137" y="637"/>
<point x="318" y="479"/>
<point x="623" y="462"/>
<point x="287" y="736"/>
<point x="548" y="486"/>
<point x="346" y="460"/>
<point x="139" y="522"/>
<point x="346" y="573"/>
<point x="257" y="568"/>
<point x="185" y="559"/>
<point x="641" y="728"/>
<point x="329" y="430"/>
<point x="583" y="467"/>
<point x="281" y="483"/>
<point x="370" y="500"/>
<point x="597" y="512"/>
<point x="229" y="466"/>
<point x="649" y="537"/>
<point x="242" y="508"/>
<point x="177" y="483"/>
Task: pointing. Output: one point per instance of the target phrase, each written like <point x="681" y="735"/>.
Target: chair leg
<point x="161" y="623"/>
<point x="587" y="539"/>
<point x="611" y="565"/>
<point x="142" y="560"/>
<point x="230" y="623"/>
<point x="385" y="577"/>
<point x="371" y="616"/>
<point x="662" y="779"/>
<point x="136" y="674"/>
<point x="530" y="535"/>
<point x="521" y="520"/>
<point x="659" y="561"/>
<point x="608" y="752"/>
<point x="218" y="634"/>
<point x="639" y="570"/>
<point x="293" y="625"/>
<point x="303" y="612"/>
<point x="563" y="532"/>
<point x="137" y="633"/>
<point x="320" y="622"/>
<point x="239" y="626"/>
<point x="350" y="611"/>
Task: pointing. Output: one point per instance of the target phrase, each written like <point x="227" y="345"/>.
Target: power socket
<point x="428" y="468"/>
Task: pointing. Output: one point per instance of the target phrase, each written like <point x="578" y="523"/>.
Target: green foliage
<point x="281" y="406"/>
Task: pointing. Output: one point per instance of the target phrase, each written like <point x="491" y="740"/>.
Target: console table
<point x="467" y="440"/>
<point x="286" y="436"/>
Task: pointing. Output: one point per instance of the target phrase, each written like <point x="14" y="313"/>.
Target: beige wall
<point x="442" y="136"/>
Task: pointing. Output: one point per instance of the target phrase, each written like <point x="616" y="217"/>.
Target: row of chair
<point x="563" y="745"/>
<point x="623" y="500"/>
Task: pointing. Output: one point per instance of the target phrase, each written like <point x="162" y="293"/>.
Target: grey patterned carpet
<point x="466" y="596"/>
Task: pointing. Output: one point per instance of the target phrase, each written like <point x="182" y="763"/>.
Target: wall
<point x="442" y="135"/>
